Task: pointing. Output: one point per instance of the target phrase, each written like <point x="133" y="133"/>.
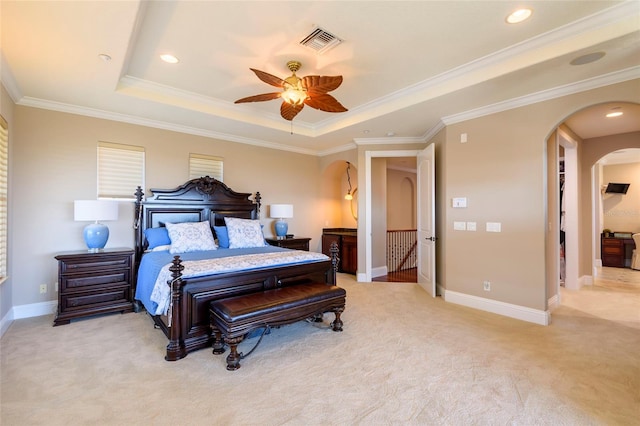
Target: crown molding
<point x="545" y="95"/>
<point x="113" y="116"/>
<point x="8" y="80"/>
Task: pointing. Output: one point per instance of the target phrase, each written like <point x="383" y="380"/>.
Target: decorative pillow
<point x="244" y="233"/>
<point x="223" y="236"/>
<point x="190" y="236"/>
<point x="157" y="237"/>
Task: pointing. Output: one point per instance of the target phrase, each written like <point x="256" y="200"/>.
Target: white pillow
<point x="190" y="236"/>
<point x="244" y="233"/>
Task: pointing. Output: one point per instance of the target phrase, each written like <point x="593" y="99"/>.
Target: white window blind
<point x="120" y="170"/>
<point x="205" y="165"/>
<point x="4" y="167"/>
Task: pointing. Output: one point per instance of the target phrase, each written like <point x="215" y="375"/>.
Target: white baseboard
<point x="34" y="309"/>
<point x="5" y="322"/>
<point x="27" y="311"/>
<point x="379" y="271"/>
<point x="501" y="308"/>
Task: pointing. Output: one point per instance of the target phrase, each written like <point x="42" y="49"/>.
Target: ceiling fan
<point x="298" y="92"/>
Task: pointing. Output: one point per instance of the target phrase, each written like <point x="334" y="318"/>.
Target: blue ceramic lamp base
<point x="96" y="236"/>
<point x="281" y="229"/>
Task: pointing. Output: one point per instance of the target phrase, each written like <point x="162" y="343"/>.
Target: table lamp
<point x="281" y="212"/>
<point x="95" y="234"/>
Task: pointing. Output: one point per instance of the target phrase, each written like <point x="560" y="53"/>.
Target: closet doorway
<point x="568" y="238"/>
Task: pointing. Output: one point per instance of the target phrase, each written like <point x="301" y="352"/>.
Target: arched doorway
<point x="578" y="144"/>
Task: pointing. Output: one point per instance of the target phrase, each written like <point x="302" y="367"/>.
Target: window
<point x="205" y="165"/>
<point x="120" y="170"/>
<point x="4" y="168"/>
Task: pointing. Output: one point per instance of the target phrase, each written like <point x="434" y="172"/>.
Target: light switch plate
<point x="459" y="202"/>
<point x="471" y="226"/>
<point x="494" y="227"/>
<point x="459" y="226"/>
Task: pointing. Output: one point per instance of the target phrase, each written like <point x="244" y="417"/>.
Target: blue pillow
<point x="223" y="236"/>
<point x="157" y="237"/>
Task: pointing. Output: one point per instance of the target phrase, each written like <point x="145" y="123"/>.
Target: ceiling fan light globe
<point x="294" y="96"/>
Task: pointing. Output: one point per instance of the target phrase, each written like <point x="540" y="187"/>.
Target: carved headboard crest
<point x="207" y="185"/>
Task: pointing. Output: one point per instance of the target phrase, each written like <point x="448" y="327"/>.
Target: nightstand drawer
<point x="79" y="265"/>
<point x="87" y="282"/>
<point x="95" y="300"/>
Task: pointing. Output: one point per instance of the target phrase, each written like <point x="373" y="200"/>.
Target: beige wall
<point x="333" y="187"/>
<point x="501" y="170"/>
<point x="54" y="163"/>
<point x="622" y="211"/>
<point x="590" y="151"/>
<point x="401" y="199"/>
<point x="6" y="110"/>
<point x="379" y="214"/>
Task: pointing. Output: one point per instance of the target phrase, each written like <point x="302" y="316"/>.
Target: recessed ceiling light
<point x="104" y="57"/>
<point x="170" y="59"/>
<point x="519" y="16"/>
<point x="588" y="58"/>
<point x="614" y="114"/>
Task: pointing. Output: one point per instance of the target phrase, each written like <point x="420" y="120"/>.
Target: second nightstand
<point x="291" y="243"/>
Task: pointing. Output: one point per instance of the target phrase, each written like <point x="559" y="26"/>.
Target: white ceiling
<point x="408" y="67"/>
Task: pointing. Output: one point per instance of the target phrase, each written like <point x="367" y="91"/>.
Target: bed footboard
<point x="187" y="321"/>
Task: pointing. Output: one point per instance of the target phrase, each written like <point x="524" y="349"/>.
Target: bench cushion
<point x="236" y="315"/>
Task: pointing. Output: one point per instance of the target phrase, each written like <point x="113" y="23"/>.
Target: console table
<point x="614" y="251"/>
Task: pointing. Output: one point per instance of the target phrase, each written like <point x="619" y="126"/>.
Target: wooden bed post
<point x="138" y="226"/>
<point x="175" y="348"/>
<point x="335" y="260"/>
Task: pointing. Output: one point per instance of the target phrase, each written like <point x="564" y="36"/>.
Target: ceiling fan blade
<point x="259" y="98"/>
<point x="325" y="102"/>
<point x="268" y="78"/>
<point x="288" y="111"/>
<point x="321" y="83"/>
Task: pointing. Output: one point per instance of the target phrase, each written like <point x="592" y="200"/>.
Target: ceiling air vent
<point x="320" y="40"/>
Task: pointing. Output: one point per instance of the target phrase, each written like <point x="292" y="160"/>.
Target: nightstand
<point x="94" y="283"/>
<point x="291" y="243"/>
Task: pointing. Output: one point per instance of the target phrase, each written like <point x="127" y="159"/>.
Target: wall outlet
<point x="486" y="285"/>
<point x="43" y="288"/>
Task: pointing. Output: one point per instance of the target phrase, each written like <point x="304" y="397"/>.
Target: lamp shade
<point x="95" y="234"/>
<point x="281" y="211"/>
<point x="95" y="210"/>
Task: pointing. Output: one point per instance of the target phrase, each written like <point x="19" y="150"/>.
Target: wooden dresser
<point x="94" y="283"/>
<point x="616" y="250"/>
<point x="347" y="240"/>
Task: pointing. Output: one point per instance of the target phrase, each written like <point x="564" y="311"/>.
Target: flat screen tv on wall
<point x="617" y="188"/>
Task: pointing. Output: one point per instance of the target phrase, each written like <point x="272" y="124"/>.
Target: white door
<point x="426" y="220"/>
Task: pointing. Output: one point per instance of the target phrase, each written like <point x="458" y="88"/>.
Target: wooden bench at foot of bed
<point x="233" y="318"/>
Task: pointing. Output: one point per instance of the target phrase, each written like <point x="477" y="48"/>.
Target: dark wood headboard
<point x="197" y="200"/>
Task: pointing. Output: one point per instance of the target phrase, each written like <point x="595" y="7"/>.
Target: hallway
<point x="614" y="296"/>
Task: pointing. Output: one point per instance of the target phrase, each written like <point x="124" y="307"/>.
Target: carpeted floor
<point x="403" y="358"/>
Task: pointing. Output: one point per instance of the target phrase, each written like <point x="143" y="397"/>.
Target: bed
<point x="190" y="287"/>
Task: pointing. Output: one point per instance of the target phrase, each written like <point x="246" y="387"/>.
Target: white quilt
<point x="198" y="268"/>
